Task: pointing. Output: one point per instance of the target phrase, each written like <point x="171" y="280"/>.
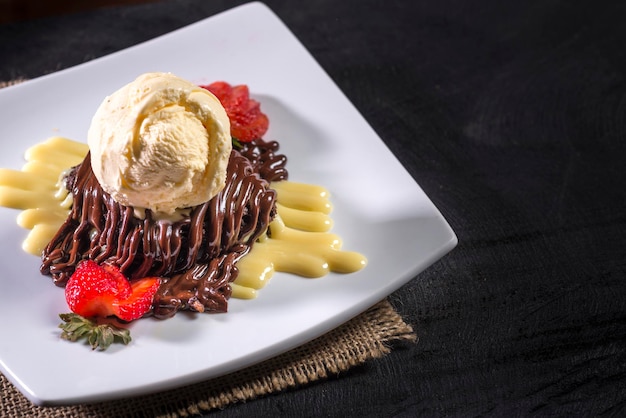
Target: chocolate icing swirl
<point x="195" y="256"/>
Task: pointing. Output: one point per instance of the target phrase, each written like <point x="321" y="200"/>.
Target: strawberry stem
<point x="99" y="336"/>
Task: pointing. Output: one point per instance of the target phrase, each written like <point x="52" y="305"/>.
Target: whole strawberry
<point x="102" y="291"/>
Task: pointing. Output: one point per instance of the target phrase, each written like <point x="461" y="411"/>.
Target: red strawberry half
<point x="247" y="122"/>
<point x="101" y="291"/>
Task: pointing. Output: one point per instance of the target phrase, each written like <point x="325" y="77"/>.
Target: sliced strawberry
<point x="123" y="286"/>
<point x="220" y="89"/>
<point x="247" y="122"/>
<point x="140" y="300"/>
<point x="101" y="291"/>
<point x="251" y="130"/>
<point x="238" y="98"/>
<point x="91" y="291"/>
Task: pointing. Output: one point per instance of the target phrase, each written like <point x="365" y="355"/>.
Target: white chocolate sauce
<point x="299" y="241"/>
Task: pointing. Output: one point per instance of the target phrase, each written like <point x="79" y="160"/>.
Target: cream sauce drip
<point x="299" y="240"/>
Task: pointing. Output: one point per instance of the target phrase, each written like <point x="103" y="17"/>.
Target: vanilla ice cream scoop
<point x="160" y="143"/>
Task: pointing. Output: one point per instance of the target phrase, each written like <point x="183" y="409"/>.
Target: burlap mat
<point x="368" y="336"/>
<point x="365" y="337"/>
<point x="12" y="82"/>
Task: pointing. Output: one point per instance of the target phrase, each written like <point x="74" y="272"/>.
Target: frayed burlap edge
<point x="368" y="336"/>
<point x="11" y="83"/>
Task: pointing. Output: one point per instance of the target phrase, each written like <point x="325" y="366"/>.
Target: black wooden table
<point x="511" y="117"/>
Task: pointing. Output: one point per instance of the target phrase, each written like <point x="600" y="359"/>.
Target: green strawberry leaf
<point x="99" y="336"/>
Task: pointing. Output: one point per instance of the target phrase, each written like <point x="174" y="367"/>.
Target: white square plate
<point x="379" y="211"/>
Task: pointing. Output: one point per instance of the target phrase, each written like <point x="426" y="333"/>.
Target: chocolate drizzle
<point x="262" y="155"/>
<point x="195" y="256"/>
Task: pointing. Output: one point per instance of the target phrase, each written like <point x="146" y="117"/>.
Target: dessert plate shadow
<point x="379" y="210"/>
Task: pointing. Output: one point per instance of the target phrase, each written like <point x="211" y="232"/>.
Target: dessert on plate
<point x="178" y="203"/>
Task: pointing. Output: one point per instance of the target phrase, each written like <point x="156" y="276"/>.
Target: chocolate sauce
<point x="195" y="257"/>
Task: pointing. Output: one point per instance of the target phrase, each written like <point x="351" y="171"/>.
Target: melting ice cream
<point x="160" y="143"/>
